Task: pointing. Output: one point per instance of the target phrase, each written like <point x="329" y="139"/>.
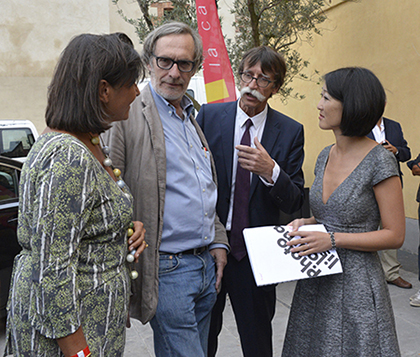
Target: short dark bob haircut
<point x="271" y="61"/>
<point x="172" y="28"/>
<point x="73" y="95"/>
<point x="363" y="98"/>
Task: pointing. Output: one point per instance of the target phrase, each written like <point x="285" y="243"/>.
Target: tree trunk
<point x="254" y="24"/>
<point x="144" y="7"/>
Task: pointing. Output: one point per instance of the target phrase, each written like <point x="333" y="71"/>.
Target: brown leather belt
<point x="195" y="251"/>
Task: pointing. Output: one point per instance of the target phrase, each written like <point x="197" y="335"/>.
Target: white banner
<point x="272" y="262"/>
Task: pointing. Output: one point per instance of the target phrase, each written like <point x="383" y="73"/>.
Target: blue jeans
<point x="187" y="294"/>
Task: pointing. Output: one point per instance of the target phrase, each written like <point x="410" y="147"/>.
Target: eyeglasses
<point x="262" y="82"/>
<point x="168" y="63"/>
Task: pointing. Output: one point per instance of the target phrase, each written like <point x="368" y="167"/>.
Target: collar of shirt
<point x="162" y="104"/>
<point x="258" y="122"/>
<point x="256" y="130"/>
<point x="379" y="132"/>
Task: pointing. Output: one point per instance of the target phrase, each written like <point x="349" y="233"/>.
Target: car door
<point x="9" y="205"/>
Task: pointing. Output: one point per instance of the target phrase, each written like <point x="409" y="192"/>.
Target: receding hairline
<point x="172" y="28"/>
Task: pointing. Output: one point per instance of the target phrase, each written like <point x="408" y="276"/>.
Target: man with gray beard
<point x="258" y="154"/>
<point x="165" y="160"/>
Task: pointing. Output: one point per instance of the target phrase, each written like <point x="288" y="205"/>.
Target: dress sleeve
<point x="385" y="165"/>
<point x="320" y="161"/>
<point x="62" y="188"/>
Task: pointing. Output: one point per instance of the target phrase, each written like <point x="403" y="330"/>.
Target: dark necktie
<point x="240" y="219"/>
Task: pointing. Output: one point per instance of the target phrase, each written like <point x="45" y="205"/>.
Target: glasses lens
<point x="185" y="66"/>
<point x="263" y="82"/>
<point x="164" y="63"/>
<point x="246" y="77"/>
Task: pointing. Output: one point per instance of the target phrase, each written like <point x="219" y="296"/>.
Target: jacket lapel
<point x="227" y="127"/>
<point x="385" y="124"/>
<point x="152" y="117"/>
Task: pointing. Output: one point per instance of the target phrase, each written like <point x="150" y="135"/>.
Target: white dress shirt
<point x="256" y="130"/>
<point x="379" y="132"/>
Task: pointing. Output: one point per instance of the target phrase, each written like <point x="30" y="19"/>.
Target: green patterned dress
<point x="72" y="227"/>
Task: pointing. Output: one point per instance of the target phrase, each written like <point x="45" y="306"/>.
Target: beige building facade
<point x="32" y="36"/>
<point x="382" y="35"/>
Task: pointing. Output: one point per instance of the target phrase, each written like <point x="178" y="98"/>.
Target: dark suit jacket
<point x="283" y="140"/>
<point x="410" y="164"/>
<point x="394" y="135"/>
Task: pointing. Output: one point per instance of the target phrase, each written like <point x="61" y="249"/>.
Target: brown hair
<point x="271" y="63"/>
<point x="73" y="95"/>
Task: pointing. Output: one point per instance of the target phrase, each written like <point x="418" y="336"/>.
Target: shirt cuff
<point x="274" y="176"/>
<point x="218" y="245"/>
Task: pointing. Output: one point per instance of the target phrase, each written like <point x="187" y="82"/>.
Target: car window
<point x="8" y="183"/>
<point x="16" y="142"/>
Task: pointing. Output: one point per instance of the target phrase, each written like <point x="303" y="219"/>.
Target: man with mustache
<point x="165" y="160"/>
<point x="259" y="154"/>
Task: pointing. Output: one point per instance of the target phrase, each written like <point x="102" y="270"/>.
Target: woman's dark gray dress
<point x="348" y="314"/>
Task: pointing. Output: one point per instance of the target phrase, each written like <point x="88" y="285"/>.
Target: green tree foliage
<point x="279" y="24"/>
<point x="183" y="11"/>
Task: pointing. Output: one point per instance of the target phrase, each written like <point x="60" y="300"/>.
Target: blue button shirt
<point x="191" y="194"/>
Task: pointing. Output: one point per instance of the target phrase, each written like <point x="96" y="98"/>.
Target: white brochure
<point x="272" y="262"/>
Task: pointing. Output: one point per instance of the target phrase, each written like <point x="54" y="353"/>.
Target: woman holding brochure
<point x="356" y="186"/>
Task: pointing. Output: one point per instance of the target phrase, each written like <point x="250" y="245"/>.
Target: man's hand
<point x="257" y="160"/>
<point x="136" y="240"/>
<point x="415" y="170"/>
<point x="390" y="147"/>
<point x="220" y="258"/>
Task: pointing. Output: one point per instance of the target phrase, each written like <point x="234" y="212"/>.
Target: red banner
<point x="218" y="76"/>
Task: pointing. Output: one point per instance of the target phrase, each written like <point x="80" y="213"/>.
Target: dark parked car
<point x="9" y="204"/>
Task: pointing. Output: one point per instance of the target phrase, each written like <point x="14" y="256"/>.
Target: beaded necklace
<point x="108" y="163"/>
<point x="124" y="188"/>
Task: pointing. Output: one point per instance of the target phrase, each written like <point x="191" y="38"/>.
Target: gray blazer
<point x="138" y="150"/>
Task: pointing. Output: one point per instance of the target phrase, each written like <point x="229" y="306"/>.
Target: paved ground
<point x="140" y="340"/>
